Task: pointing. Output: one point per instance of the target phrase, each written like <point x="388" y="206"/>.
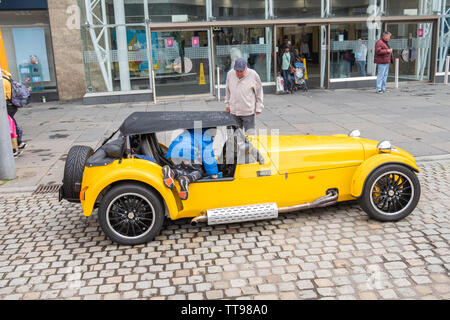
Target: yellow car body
<point x="296" y="169"/>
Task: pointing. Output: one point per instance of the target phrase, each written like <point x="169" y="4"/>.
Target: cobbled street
<point x="48" y="250"/>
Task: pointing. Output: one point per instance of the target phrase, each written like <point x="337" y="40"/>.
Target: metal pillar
<point x="122" y="45"/>
<point x="325" y="11"/>
<point x="7" y="164"/>
<point x="374" y="33"/>
<point x="444" y="36"/>
<point x="100" y="41"/>
<point x="397" y="63"/>
<point x="211" y="59"/>
<point x="218" y="83"/>
<point x="151" y="72"/>
<point x="268" y="31"/>
<point x="447" y="65"/>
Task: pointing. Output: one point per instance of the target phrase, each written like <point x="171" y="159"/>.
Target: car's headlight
<point x="354" y="133"/>
<point x="385" y="147"/>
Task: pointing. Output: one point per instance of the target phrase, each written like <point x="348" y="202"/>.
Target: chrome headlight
<point x="354" y="133"/>
<point x="385" y="147"/>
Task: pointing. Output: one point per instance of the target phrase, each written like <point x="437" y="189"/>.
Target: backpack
<point x="20" y="95"/>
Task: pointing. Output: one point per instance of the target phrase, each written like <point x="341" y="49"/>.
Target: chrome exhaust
<point x="201" y="218"/>
<point x="260" y="211"/>
<point x="329" y="199"/>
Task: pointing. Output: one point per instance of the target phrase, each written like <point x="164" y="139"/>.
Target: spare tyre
<point x="73" y="172"/>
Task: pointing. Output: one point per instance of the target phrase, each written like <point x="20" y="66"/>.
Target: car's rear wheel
<point x="391" y="192"/>
<point x="73" y="171"/>
<point x="131" y="214"/>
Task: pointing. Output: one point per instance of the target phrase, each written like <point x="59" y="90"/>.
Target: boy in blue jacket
<point x="192" y="152"/>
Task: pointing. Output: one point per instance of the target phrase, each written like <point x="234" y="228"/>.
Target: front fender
<point x="364" y="170"/>
<point x="96" y="179"/>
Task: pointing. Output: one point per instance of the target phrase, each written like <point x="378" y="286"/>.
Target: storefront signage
<point x="169" y="42"/>
<point x="22" y="4"/>
<point x="180" y="18"/>
<point x="410" y="12"/>
<point x="195" y="42"/>
<point x="420" y="33"/>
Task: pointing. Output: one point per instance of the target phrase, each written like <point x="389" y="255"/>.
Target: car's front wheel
<point x="131" y="214"/>
<point x="391" y="192"/>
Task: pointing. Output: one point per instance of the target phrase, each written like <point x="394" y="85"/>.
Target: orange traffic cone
<point x="201" y="80"/>
<point x="306" y="71"/>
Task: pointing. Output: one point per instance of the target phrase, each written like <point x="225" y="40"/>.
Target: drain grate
<point x="47" y="188"/>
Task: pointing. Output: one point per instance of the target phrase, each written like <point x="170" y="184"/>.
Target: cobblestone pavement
<point x="49" y="251"/>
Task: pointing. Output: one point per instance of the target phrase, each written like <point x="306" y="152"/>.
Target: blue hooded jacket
<point x="195" y="146"/>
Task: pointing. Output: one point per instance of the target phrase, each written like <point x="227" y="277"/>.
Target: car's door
<point x="253" y="182"/>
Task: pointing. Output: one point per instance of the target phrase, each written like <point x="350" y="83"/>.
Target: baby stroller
<point x="300" y="75"/>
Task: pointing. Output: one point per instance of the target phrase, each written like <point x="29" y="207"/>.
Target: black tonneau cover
<point x="157" y="121"/>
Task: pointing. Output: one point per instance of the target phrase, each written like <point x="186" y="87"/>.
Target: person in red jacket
<point x="383" y="58"/>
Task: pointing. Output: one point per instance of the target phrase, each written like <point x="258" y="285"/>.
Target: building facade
<point x="101" y="48"/>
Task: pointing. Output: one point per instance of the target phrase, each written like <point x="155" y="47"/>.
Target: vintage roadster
<point x="263" y="175"/>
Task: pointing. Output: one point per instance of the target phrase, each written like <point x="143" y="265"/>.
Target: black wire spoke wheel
<point x="130" y="215"/>
<point x="392" y="192"/>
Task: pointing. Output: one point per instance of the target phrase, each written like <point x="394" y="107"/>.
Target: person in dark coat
<point x="383" y="58"/>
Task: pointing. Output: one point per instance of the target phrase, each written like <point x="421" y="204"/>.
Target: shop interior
<point x="306" y="41"/>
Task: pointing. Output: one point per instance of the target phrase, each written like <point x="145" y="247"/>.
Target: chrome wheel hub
<point x="130" y="215"/>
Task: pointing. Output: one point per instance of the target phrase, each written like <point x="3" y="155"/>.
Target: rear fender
<point x="367" y="167"/>
<point x="96" y="179"/>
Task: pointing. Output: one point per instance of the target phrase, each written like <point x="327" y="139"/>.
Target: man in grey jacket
<point x="244" y="94"/>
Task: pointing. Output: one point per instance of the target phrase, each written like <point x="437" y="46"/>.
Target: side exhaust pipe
<point x="329" y="199"/>
<point x="201" y="218"/>
<point x="260" y="211"/>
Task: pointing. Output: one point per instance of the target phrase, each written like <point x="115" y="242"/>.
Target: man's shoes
<point x="22" y="145"/>
<point x="184" y="191"/>
<point x="168" y="176"/>
<point x="380" y="91"/>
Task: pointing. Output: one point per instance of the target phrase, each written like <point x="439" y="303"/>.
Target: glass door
<point x="306" y="40"/>
<point x="181" y="62"/>
<point x="411" y="43"/>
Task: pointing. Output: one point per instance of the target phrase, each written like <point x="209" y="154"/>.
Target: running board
<point x="262" y="211"/>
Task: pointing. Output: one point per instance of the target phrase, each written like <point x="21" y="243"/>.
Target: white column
<point x="122" y="45"/>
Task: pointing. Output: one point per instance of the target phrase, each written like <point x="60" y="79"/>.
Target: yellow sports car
<point x="261" y="176"/>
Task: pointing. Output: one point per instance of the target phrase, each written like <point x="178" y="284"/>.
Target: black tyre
<point x="73" y="171"/>
<point x="131" y="214"/>
<point x="391" y="192"/>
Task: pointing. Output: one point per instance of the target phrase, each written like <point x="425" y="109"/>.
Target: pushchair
<point x="300" y="77"/>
